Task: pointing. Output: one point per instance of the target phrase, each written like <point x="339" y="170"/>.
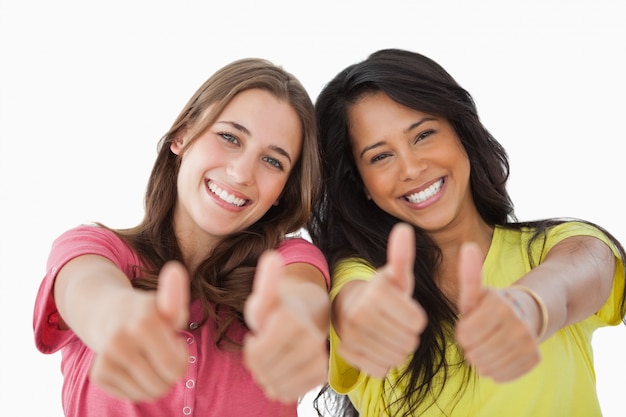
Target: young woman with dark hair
<point x="443" y="303"/>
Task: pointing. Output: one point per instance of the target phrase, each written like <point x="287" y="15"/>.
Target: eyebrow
<point x="407" y="130"/>
<point x="245" y="131"/>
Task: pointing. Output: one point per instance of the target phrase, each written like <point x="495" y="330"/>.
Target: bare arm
<point x="500" y="330"/>
<point x="85" y="290"/>
<point x="574" y="281"/>
<point x="139" y="354"/>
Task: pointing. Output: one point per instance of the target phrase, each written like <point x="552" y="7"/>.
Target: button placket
<point x="192" y="371"/>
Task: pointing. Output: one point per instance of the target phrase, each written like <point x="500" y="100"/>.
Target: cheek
<point x="374" y="182"/>
<point x="205" y="155"/>
<point x="375" y="190"/>
<point x="272" y="186"/>
<point x="463" y="164"/>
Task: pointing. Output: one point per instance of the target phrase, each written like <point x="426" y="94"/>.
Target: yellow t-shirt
<point x="563" y="384"/>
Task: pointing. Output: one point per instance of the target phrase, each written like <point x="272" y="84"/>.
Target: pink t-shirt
<point x="216" y="384"/>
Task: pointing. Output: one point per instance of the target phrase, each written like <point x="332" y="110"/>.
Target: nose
<point x="411" y="165"/>
<point x="241" y="169"/>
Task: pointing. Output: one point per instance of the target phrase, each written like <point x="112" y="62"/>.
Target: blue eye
<point x="229" y="138"/>
<point x="274" y="162"/>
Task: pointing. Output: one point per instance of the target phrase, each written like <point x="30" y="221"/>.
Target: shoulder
<point x="355" y="268"/>
<point x="575" y="228"/>
<point x="571" y="228"/>
<point x="507" y="239"/>
<point x="88" y="233"/>
<point x="552" y="234"/>
<point x="298" y="246"/>
<point x="92" y="240"/>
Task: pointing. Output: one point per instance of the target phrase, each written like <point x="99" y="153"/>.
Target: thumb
<point x="264" y="296"/>
<point x="470" y="277"/>
<point x="401" y="258"/>
<point x="172" y="297"/>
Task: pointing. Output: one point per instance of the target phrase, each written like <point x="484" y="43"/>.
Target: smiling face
<point x="412" y="164"/>
<point x="233" y="173"/>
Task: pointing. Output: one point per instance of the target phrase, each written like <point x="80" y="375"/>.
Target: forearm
<point x="349" y="291"/>
<point x="304" y="288"/>
<point x="89" y="290"/>
<point x="573" y="282"/>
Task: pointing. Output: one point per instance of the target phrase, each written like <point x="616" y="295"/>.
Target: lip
<point x="429" y="200"/>
<point x="233" y="194"/>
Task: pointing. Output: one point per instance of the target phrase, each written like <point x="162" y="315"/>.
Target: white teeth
<point x="223" y="194"/>
<point x="425" y="194"/>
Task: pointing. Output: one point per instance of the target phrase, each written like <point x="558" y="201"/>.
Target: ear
<point x="177" y="144"/>
<point x="367" y="193"/>
<point x="279" y="197"/>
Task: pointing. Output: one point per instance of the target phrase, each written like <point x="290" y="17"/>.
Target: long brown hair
<point x="223" y="281"/>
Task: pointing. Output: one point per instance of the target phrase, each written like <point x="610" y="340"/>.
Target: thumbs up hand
<point x="378" y="321"/>
<point x="286" y="350"/>
<point x="470" y="278"/>
<point x="143" y="354"/>
<point x="494" y="332"/>
<point x="264" y="297"/>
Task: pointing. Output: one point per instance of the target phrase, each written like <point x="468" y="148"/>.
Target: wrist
<point x="542" y="312"/>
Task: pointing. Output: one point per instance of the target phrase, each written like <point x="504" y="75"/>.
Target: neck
<point x="450" y="243"/>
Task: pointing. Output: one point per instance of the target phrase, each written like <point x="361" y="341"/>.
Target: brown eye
<point x="379" y="157"/>
<point x="423" y="135"/>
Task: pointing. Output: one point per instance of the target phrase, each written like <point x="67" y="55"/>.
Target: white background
<point x="88" y="88"/>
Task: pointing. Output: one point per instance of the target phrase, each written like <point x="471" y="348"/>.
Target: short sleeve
<point x="609" y="313"/>
<point x="348" y="270"/>
<point x="298" y="250"/>
<point x="81" y="240"/>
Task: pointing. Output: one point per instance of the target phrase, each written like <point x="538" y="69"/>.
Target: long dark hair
<point x="345" y="223"/>
<point x="223" y="280"/>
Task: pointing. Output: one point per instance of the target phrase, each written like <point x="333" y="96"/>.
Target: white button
<point x="191" y="359"/>
<point x="190" y="383"/>
<point x="193" y="325"/>
<point x="189" y="340"/>
<point x="186" y="410"/>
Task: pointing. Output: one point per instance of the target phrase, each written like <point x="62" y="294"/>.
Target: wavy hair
<point x="223" y="281"/>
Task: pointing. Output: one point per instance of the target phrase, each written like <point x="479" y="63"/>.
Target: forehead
<point x="376" y="115"/>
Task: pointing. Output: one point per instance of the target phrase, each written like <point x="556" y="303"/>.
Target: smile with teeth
<point x="225" y="196"/>
<point x="425" y="194"/>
